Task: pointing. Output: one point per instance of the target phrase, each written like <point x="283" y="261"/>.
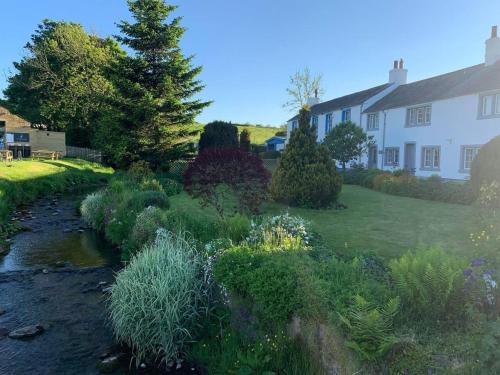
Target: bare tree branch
<point x="303" y="85"/>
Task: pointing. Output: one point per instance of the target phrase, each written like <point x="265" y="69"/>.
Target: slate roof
<point x="471" y="80"/>
<point x="346" y="101"/>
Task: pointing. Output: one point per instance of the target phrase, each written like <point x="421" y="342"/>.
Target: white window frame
<point x="463" y="157"/>
<point x="372" y="121"/>
<point x="419" y="116"/>
<point x="315" y="120"/>
<point x="391" y="156"/>
<point x="431" y="158"/>
<point x="346" y="115"/>
<point x="489" y="105"/>
<point x="328" y="123"/>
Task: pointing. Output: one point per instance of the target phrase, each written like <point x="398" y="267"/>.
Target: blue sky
<point x="250" y="48"/>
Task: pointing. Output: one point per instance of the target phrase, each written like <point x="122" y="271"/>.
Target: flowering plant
<point x="283" y="230"/>
<point x="480" y="283"/>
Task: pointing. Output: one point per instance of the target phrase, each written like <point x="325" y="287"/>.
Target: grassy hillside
<point x="258" y="133"/>
<point x="24" y="181"/>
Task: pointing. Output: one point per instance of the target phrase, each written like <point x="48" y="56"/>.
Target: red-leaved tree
<point x="217" y="175"/>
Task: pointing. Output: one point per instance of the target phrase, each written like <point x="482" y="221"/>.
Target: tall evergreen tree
<point x="157" y="83"/>
<point x="245" y="140"/>
<point x="306" y="175"/>
<point x="218" y="134"/>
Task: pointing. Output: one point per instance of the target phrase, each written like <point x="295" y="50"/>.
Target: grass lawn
<point x="25" y="180"/>
<point x="20" y="170"/>
<point x="384" y="224"/>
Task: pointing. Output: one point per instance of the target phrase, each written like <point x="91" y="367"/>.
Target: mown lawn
<point x="20" y="170"/>
<point x="258" y="134"/>
<point x="383" y="224"/>
<point x="25" y="180"/>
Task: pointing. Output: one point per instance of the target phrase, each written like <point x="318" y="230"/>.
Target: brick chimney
<point x="398" y="74"/>
<point x="492" y="53"/>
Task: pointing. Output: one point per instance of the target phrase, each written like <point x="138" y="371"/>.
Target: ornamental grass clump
<point x="92" y="209"/>
<point x="157" y="298"/>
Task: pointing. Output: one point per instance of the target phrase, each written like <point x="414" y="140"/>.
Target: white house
<point x="432" y="126"/>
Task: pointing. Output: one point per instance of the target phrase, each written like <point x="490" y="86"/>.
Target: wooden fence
<point x="84" y="153"/>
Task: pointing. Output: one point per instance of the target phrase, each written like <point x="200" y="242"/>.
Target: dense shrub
<point x="235" y="227"/>
<point x="306" y="176"/>
<point x="151" y="184"/>
<point x="156" y="299"/>
<point x="245" y="144"/>
<point x="171" y="187"/>
<point x="370" y="328"/>
<point x="271" y="283"/>
<point x="485" y="167"/>
<point x="430" y="283"/>
<point x="218" y="174"/>
<point x="218" y="134"/>
<point x="140" y="170"/>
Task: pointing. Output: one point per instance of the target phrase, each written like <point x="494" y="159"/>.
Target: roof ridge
<point x="352" y="93"/>
<point x="445" y="74"/>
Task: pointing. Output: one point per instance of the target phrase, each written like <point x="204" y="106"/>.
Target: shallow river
<point x="53" y="276"/>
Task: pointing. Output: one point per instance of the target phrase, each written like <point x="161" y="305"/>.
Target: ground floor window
<point x="391" y="156"/>
<point x="468" y="154"/>
<point x="431" y="157"/>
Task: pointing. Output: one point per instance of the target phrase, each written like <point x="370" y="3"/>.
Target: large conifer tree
<point x="157" y="83"/>
<point x="306" y="175"/>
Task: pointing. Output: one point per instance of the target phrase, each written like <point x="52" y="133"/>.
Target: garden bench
<point x="6" y="155"/>
<point x="45" y="154"/>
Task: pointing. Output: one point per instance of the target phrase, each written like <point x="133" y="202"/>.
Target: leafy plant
<point x="218" y="134"/>
<point x="92" y="209"/>
<point x="370" y="328"/>
<point x="217" y="174"/>
<point x="430" y="283"/>
<point x="156" y="299"/>
<point x="144" y="231"/>
<point x="485" y="169"/>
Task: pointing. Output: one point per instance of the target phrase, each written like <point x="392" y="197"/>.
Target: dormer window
<point x="418" y="116"/>
<point x="346" y="115"/>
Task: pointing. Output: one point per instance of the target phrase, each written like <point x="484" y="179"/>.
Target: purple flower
<point x="488" y="272"/>
<point x="467" y="272"/>
<point x="478" y="262"/>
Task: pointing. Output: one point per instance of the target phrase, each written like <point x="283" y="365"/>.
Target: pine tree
<point x="306" y="175"/>
<point x="157" y="83"/>
<point x="218" y="134"/>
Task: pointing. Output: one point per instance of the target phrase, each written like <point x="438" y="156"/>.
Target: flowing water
<point x="53" y="276"/>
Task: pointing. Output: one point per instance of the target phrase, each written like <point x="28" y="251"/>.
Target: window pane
<point x="427" y="114"/>
<point x="436" y="157"/>
<point x="497" y="105"/>
<point x="487" y="105"/>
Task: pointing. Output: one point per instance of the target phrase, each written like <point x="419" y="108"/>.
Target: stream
<point x="55" y="276"/>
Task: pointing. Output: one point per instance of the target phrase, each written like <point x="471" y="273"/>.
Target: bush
<point x="218" y="174"/>
<point x="140" y="170"/>
<point x="152" y="198"/>
<point x="218" y="134"/>
<point x="236" y="227"/>
<point x="171" y="187"/>
<point x="156" y="299"/>
<point x="151" y="184"/>
<point x="430" y="283"/>
<point x="92" y="209"/>
<point x="485" y="167"/>
<point x="144" y="232"/>
<point x="370" y="328"/>
<point x="306" y="176"/>
<point x="280" y="232"/>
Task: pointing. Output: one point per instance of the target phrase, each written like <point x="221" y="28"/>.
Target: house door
<point x="372" y="157"/>
<point x="410" y="157"/>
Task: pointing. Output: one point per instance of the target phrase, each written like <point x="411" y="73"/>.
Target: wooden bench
<point x="45" y="154"/>
<point x="6" y="156"/>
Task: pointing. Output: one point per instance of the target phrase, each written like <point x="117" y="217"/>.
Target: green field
<point x="383" y="224"/>
<point x="258" y="134"/>
<point x="23" y="181"/>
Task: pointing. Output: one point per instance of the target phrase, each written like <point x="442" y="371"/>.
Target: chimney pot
<point x="401" y="64"/>
<point x="494" y="31"/>
<point x="395" y="64"/>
